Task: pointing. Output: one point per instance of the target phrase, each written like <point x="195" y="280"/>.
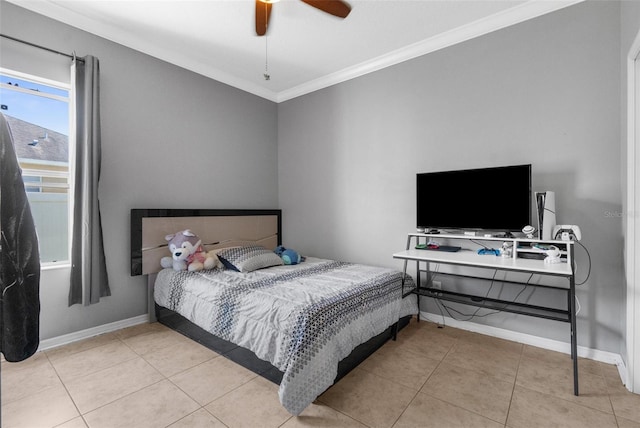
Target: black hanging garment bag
<point x="19" y="259"/>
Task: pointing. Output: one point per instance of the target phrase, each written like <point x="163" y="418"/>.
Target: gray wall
<point x="545" y="92"/>
<point x="171" y="139"/>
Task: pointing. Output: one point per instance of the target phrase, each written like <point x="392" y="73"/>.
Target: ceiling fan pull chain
<point x="266" y="45"/>
<point x="266" y="60"/>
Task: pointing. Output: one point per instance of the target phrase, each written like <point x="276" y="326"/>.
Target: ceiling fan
<point x="337" y="8"/>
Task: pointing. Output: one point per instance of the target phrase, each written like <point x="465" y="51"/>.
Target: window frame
<point x="71" y="141"/>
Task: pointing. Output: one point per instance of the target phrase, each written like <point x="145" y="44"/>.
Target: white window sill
<point x="55" y="265"/>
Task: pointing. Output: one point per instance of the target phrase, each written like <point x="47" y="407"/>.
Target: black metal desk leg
<point x="418" y="287"/>
<point x="574" y="334"/>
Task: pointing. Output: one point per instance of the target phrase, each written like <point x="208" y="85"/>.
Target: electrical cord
<point x="433" y="275"/>
<point x="475" y="314"/>
<point x="468" y="316"/>
<point x="478" y="243"/>
<point x="482" y="245"/>
<point x="575" y="266"/>
<point x="523" y="288"/>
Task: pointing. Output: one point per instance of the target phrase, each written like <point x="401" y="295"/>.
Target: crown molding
<point x="524" y="12"/>
<point x="59" y="12"/>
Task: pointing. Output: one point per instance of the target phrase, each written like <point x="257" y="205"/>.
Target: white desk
<point x="472" y="258"/>
<point x="514" y="263"/>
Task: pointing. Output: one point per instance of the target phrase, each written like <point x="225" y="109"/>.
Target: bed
<point x="301" y="326"/>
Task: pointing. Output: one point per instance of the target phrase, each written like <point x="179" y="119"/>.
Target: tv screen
<point x="496" y="198"/>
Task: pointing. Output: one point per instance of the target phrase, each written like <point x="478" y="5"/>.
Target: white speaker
<point x="546" y="203"/>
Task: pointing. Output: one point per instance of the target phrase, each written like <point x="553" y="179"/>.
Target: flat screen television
<point x="495" y="199"/>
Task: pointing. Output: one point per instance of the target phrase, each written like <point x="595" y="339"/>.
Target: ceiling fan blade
<point x="263" y="12"/>
<point x="337" y="8"/>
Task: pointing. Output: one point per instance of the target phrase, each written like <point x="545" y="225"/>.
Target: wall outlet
<point x="436" y="284"/>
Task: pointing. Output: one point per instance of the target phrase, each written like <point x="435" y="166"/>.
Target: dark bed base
<point x="249" y="360"/>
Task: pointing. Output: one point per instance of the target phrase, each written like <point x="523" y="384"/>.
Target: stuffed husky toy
<point x="187" y="253"/>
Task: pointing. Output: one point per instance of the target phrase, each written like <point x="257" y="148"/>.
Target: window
<point x="37" y="111"/>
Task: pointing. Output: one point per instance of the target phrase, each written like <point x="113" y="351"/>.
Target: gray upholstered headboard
<point x="216" y="229"/>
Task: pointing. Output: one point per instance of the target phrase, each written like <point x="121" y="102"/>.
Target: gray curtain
<point x="89" y="280"/>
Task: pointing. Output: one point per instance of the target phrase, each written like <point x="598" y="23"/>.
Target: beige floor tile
<point x="554" y="378"/>
<point x="199" y="419"/>
<point x="81" y="345"/>
<point x="319" y="415"/>
<point x="484" y="359"/>
<point x="415" y="325"/>
<point x="27" y="377"/>
<point x="368" y="398"/>
<point x="425" y="340"/>
<point x="626" y="423"/>
<point x="47" y="408"/>
<point x="428" y="412"/>
<point x="36" y="358"/>
<point x="212" y="379"/>
<point x="546" y="355"/>
<point x="254" y="404"/>
<point x="171" y="361"/>
<point x="585" y="365"/>
<point x="143" y="344"/>
<point x="471" y="390"/>
<point x="625" y="404"/>
<point x="406" y="368"/>
<point x="611" y="375"/>
<point x="136" y="330"/>
<point x="92" y="360"/>
<point x="591" y="366"/>
<point x="74" y="423"/>
<point x="495" y="343"/>
<point x="158" y="405"/>
<point x="103" y="387"/>
<point x="534" y="409"/>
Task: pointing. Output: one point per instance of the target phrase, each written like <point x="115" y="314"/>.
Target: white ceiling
<point x="305" y="49"/>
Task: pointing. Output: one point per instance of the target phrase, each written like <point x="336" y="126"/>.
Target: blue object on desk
<point x="489" y="251"/>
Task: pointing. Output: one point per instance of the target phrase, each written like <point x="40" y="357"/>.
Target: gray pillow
<point x="248" y="259"/>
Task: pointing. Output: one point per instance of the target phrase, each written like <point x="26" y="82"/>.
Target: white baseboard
<point x="528" y="339"/>
<point x="91" y="332"/>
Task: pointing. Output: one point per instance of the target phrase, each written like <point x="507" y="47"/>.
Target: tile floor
<point x="150" y="376"/>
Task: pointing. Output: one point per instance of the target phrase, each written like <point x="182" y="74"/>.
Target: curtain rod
<point x="42" y="47"/>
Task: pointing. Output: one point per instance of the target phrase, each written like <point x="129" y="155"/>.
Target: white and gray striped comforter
<point x="303" y="319"/>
